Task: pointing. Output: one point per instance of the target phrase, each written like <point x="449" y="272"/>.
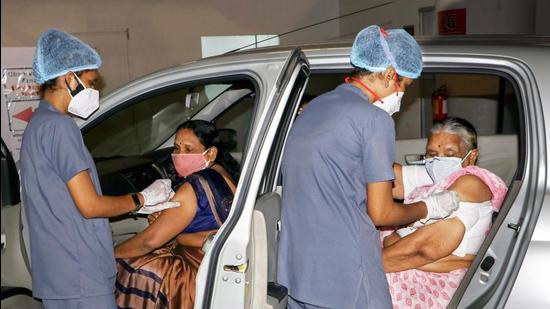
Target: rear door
<point x="491" y="277"/>
<point x="233" y="273"/>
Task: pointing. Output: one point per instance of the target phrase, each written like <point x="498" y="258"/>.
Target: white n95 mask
<point x="84" y="102"/>
<point x="391" y="103"/>
<point x="439" y="168"/>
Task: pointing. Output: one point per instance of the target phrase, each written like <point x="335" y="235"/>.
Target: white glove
<point x="147" y="210"/>
<point x="159" y="191"/>
<point x="440" y="205"/>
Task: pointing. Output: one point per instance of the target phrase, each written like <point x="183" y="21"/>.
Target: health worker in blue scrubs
<point x="337" y="180"/>
<point x="71" y="245"/>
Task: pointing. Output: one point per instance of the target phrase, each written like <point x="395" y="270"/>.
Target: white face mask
<point x="439" y="168"/>
<point x="84" y="102"/>
<point x="391" y="104"/>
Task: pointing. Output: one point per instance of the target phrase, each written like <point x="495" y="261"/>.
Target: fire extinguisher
<point x="439" y="103"/>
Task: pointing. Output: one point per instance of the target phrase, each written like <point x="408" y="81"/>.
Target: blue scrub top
<point x="72" y="257"/>
<point x="329" y="249"/>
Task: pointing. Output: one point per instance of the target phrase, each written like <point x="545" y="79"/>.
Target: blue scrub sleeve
<point x="68" y="152"/>
<point x="379" y="148"/>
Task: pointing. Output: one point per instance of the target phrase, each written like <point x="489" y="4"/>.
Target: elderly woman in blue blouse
<point x="153" y="270"/>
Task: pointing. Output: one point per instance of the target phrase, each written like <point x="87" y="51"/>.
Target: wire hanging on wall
<point x="309" y="26"/>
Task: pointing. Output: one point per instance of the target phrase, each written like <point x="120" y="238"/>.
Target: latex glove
<point x="147" y="210"/>
<point x="159" y="191"/>
<point x="441" y="205"/>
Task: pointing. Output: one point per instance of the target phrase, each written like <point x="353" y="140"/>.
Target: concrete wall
<point x="495" y="16"/>
<point x="482" y="16"/>
<point x="542" y="23"/>
<point x="136" y="37"/>
<point x="388" y="14"/>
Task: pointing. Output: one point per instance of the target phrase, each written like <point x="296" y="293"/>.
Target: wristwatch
<point x="137" y="203"/>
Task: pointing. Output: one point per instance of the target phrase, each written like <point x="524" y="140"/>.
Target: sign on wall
<point x="22" y="95"/>
<point x="19" y="95"/>
<point x="452" y="22"/>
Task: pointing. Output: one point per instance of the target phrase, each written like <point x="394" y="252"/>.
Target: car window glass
<point x="236" y="119"/>
<point x="143" y="126"/>
<point x="488" y="101"/>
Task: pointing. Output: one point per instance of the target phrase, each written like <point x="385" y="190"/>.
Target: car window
<point x="236" y="121"/>
<point x="143" y="126"/>
<point x="488" y="101"/>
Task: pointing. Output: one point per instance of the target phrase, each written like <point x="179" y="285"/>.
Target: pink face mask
<point x="188" y="163"/>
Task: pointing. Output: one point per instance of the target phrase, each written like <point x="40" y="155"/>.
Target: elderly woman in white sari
<point x="426" y="260"/>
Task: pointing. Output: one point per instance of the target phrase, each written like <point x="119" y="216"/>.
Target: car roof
<point x="485" y="40"/>
<point x="514" y="46"/>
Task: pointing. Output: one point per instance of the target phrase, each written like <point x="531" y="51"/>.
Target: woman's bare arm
<point x="92" y="205"/>
<point x="433" y="242"/>
<point x="428" y="244"/>
<point x="391" y="239"/>
<point x="164" y="228"/>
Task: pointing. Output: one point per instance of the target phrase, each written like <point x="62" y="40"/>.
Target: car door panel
<point x="16" y="279"/>
<point x="217" y="285"/>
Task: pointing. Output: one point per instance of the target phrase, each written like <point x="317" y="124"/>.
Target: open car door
<point x="234" y="271"/>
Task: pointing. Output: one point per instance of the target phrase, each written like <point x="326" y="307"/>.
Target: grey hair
<point x="460" y="127"/>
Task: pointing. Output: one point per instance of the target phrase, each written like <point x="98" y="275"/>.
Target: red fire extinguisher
<point x="439" y="103"/>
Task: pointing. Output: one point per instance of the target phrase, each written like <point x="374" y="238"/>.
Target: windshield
<point x="145" y="125"/>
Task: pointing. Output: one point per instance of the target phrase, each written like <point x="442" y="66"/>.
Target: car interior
<point x="141" y="132"/>
<point x="141" y="137"/>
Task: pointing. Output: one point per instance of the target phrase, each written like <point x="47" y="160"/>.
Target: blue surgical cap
<point x="375" y="50"/>
<point x="58" y="52"/>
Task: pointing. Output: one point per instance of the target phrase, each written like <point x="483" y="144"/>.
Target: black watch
<point x="137" y="203"/>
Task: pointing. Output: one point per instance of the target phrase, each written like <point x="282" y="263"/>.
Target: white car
<point x="502" y="86"/>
